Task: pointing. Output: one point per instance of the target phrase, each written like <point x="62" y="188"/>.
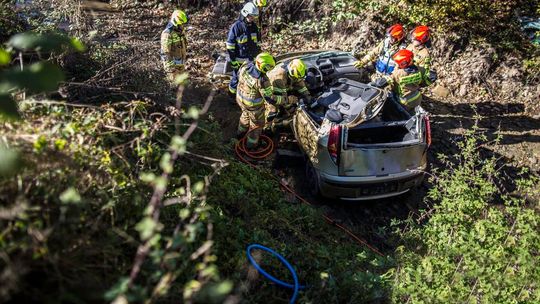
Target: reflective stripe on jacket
<point x="282" y="84"/>
<point x="422" y="59"/>
<point x="253" y="86"/>
<point x="243" y="40"/>
<point x="406" y="85"/>
<point x="173" y="46"/>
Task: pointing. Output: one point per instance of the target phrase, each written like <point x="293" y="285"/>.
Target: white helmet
<point x="250" y="9"/>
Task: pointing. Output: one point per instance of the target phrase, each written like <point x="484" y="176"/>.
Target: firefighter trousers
<point x="252" y="118"/>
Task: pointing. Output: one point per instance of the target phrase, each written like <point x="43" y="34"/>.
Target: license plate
<point x="377" y="189"/>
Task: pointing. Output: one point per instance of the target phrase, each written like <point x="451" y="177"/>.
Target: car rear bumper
<point x="369" y="187"/>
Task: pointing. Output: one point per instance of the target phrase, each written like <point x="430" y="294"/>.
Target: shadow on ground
<point x="372" y="219"/>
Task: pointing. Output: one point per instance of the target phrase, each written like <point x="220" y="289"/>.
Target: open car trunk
<point x="366" y="113"/>
<point x="377" y="136"/>
<point x="392" y="125"/>
<point x="349" y="103"/>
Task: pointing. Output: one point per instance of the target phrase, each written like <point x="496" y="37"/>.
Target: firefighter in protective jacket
<point x="420" y="45"/>
<point x="406" y="80"/>
<point x="383" y="52"/>
<point x="254" y="90"/>
<point x="174" y="45"/>
<point x="243" y="41"/>
<point x="287" y="78"/>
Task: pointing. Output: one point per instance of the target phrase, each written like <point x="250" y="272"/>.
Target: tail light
<point x="334" y="143"/>
<point x="428" y="130"/>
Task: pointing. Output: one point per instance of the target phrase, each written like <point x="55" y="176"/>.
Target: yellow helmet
<point x="178" y="18"/>
<point x="260" y="3"/>
<point x="297" y="68"/>
<point x="264" y="62"/>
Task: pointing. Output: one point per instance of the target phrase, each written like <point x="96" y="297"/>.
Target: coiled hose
<point x="242" y="150"/>
<point x="296" y="286"/>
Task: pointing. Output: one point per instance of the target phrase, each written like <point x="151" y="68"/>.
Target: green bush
<point x="479" y="245"/>
<point x="494" y="21"/>
<point x="10" y="23"/>
<point x="457" y="13"/>
<point x="72" y="217"/>
<point x="250" y="208"/>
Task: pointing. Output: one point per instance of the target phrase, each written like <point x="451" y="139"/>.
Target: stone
<point x="441" y="91"/>
<point x="463" y="90"/>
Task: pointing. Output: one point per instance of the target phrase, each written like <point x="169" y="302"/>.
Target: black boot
<point x="240" y="135"/>
<point x="268" y="131"/>
<point x="232" y="97"/>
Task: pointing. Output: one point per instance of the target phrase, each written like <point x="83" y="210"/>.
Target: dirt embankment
<point x="476" y="85"/>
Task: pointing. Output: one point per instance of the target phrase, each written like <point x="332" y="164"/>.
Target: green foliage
<point x="5" y="57"/>
<point x="9" y="162"/>
<point x="47" y="42"/>
<point x="10" y="22"/>
<point x="8" y="108"/>
<point x="494" y="21"/>
<point x="457" y="12"/>
<point x="250" y="208"/>
<point x="35" y="78"/>
<point x="471" y="249"/>
<point x="70" y="196"/>
<point x="302" y="30"/>
<point x="79" y="196"/>
<point x="107" y="52"/>
<point x="532" y="67"/>
<point x="342" y="10"/>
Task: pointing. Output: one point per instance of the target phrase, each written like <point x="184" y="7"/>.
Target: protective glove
<point x="291" y="108"/>
<point x="379" y="83"/>
<point x="432" y="76"/>
<point x="235" y="64"/>
<point x="270" y="117"/>
<point x="270" y="101"/>
<point x="306" y="99"/>
<point x="359" y="64"/>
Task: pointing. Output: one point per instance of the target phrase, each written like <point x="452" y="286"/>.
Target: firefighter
<point x="383" y="52"/>
<point x="287" y="78"/>
<point x="254" y="90"/>
<point x="406" y="80"/>
<point x="420" y="45"/>
<point x="260" y="4"/>
<point x="174" y="45"/>
<point x="243" y="41"/>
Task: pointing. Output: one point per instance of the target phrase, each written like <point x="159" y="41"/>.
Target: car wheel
<point x="313" y="181"/>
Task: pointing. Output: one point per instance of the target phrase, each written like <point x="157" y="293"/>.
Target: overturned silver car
<point x="359" y="144"/>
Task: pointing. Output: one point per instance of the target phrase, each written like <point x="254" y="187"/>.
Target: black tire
<point x="313" y="181"/>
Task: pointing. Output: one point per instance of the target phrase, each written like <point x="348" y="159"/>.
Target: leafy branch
<point x="150" y="227"/>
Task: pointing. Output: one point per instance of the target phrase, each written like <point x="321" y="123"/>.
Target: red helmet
<point x="396" y="31"/>
<point x="421" y="34"/>
<point x="403" y="58"/>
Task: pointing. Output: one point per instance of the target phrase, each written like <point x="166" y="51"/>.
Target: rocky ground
<point x="472" y="87"/>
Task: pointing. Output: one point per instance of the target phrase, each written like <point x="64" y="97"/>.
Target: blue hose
<point x="296" y="285"/>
